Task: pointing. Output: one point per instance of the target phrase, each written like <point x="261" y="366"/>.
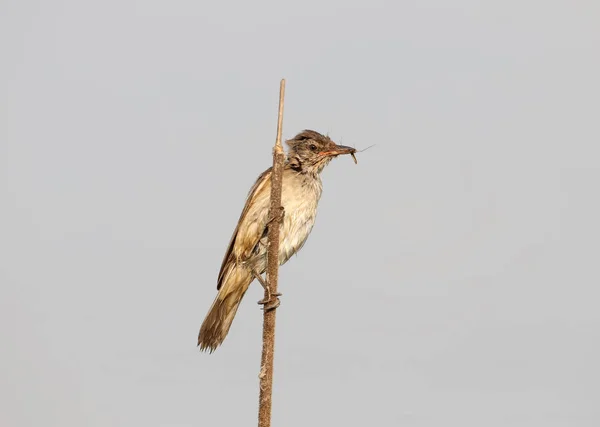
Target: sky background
<point x="451" y="277"/>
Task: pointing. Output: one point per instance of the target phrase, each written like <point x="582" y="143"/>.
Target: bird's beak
<point x="339" y="150"/>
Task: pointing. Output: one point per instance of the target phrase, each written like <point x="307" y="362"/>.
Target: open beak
<point x="339" y="150"/>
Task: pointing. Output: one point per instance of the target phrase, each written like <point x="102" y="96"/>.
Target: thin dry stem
<point x="266" y="368"/>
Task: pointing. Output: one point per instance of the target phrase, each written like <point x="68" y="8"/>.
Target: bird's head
<point x="311" y="152"/>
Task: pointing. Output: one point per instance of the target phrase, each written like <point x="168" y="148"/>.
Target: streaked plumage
<point x="309" y="153"/>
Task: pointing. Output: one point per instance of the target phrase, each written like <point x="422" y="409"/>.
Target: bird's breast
<point x="299" y="198"/>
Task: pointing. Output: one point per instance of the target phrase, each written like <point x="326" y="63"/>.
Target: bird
<point x="246" y="255"/>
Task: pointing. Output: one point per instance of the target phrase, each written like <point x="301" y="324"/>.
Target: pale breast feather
<point x="300" y="203"/>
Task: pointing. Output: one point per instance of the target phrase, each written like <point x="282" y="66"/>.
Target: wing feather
<point x="250" y="226"/>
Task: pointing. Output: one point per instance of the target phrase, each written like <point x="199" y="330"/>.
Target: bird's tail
<point x="216" y="325"/>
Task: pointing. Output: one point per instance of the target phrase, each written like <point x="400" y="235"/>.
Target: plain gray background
<point x="451" y="276"/>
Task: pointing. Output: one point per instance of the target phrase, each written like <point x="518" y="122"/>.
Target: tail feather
<point x="216" y="325"/>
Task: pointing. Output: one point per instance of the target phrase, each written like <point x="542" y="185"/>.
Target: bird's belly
<point x="299" y="199"/>
<point x="293" y="234"/>
<point x="298" y="221"/>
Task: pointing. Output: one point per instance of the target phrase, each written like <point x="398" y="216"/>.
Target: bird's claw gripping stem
<point x="278" y="216"/>
<point x="270" y="301"/>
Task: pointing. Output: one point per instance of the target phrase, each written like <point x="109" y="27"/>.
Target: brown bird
<point x="246" y="255"/>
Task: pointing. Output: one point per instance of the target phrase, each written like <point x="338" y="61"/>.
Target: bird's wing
<point x="251" y="224"/>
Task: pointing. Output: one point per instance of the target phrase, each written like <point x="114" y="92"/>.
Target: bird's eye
<point x="313" y="147"/>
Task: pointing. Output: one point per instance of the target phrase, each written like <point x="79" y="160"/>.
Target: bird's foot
<point x="278" y="216"/>
<point x="270" y="303"/>
<point x="269" y="297"/>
